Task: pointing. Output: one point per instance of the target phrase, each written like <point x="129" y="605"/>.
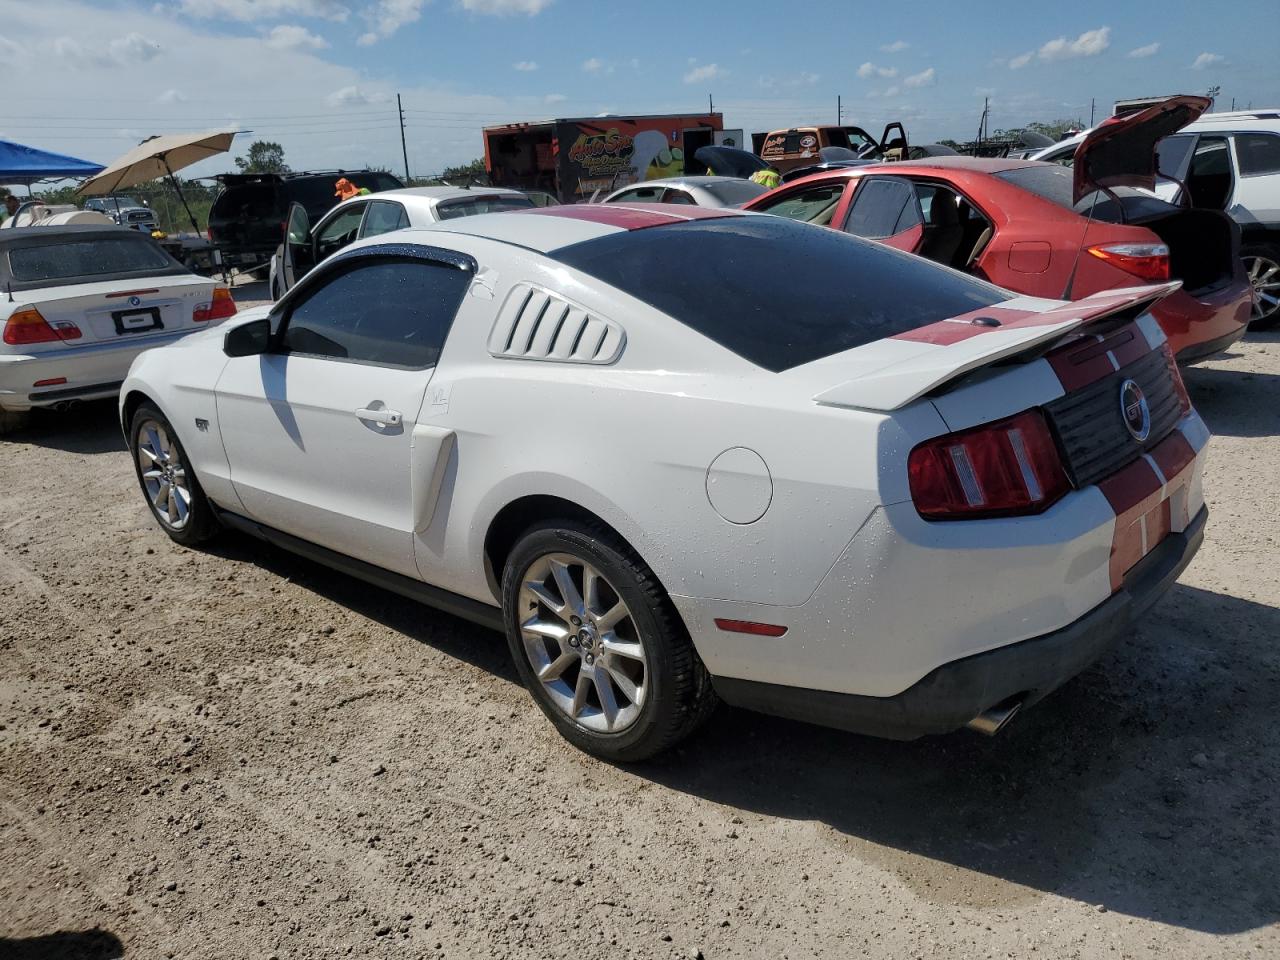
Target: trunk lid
<point x="892" y="373"/>
<point x="1121" y="151"/>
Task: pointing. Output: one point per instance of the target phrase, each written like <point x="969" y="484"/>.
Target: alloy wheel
<point x="164" y="475"/>
<point x="583" y="643"/>
<point x="1264" y="274"/>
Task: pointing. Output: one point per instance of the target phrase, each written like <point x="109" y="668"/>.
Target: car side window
<point x="639" y="195"/>
<point x="395" y="311"/>
<point x="810" y="205"/>
<point x="678" y="196"/>
<point x="1258" y="153"/>
<point x="339" y="231"/>
<point x="383" y="216"/>
<point x="882" y="208"/>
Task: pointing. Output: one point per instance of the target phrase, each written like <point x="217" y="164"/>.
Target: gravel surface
<point x="236" y="753"/>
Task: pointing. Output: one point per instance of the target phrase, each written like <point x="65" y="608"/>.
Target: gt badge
<point x="1134" y="411"/>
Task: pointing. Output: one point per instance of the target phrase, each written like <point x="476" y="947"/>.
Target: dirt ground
<point x="238" y="754"/>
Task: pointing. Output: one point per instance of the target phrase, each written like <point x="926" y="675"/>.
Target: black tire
<point x="12" y="421"/>
<point x="678" y="693"/>
<point x="1269" y="252"/>
<point x="200" y="523"/>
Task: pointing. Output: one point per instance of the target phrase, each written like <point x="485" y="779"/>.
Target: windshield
<point x="469" y="207"/>
<point x="734" y="192"/>
<point x="776" y="292"/>
<point x="95" y="257"/>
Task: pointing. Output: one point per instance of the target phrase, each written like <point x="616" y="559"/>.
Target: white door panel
<point x="321" y="449"/>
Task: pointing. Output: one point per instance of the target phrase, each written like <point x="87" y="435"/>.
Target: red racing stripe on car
<point x="1142" y="501"/>
<point x="1085" y="361"/>
<point x="954" y="330"/>
<point x="629" y="218"/>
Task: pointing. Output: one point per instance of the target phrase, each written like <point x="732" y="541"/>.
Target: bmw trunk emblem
<point x="1134" y="411"/>
<point x="135" y="301"/>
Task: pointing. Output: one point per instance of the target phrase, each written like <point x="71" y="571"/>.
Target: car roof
<point x="11" y="236"/>
<point x="544" y="229"/>
<point x="698" y="180"/>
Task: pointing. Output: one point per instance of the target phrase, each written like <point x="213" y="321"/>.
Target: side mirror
<point x="248" y="339"/>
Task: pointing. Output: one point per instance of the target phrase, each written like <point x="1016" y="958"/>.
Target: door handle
<point x="388" y="418"/>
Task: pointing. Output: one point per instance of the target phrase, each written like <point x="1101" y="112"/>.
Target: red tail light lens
<point x="219" y="308"/>
<point x="1171" y="362"/>
<point x="28" y="326"/>
<point x="1147" y="261"/>
<point x="1002" y="469"/>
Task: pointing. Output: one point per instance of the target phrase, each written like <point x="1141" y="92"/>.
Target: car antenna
<point x="8" y="288"/>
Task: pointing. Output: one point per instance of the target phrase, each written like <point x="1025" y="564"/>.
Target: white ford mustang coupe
<point x="681" y="455"/>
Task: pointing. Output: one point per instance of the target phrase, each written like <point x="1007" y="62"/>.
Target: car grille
<point x="1090" y="426"/>
<point x="140" y="217"/>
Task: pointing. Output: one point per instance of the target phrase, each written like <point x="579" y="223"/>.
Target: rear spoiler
<point x="946" y="351"/>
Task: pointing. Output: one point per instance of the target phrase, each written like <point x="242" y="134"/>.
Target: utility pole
<point x="711" y="104"/>
<point x="1092" y="103"/>
<point x="839" y="112"/>
<point x="403" y="149"/>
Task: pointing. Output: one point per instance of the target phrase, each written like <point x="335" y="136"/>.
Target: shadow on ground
<point x="87" y="428"/>
<point x="64" y="945"/>
<point x="1237" y="403"/>
<point x="1145" y="786"/>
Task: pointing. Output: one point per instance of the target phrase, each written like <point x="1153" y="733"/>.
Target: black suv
<point x="246" y="221"/>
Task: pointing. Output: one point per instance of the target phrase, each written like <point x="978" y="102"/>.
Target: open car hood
<point x="730" y="161"/>
<point x="1121" y="151"/>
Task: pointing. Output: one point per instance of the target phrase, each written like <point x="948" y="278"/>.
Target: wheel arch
<point x="130" y="401"/>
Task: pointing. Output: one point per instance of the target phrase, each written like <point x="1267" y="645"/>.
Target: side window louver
<point x="536" y="325"/>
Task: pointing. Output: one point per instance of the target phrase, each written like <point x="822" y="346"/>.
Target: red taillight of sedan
<point x="1002" y="469"/>
<point x="222" y="305"/>
<point x="1148" y="261"/>
<point x="28" y="326"/>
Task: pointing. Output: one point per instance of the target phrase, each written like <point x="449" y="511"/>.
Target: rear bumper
<point x="91" y="371"/>
<point x="1199" y="325"/>
<point x="954" y="693"/>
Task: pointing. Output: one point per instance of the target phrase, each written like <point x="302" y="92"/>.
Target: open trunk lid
<point x="1121" y="151"/>
<point x="892" y="373"/>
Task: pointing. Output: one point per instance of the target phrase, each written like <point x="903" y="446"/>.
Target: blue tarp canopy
<point x="23" y="164"/>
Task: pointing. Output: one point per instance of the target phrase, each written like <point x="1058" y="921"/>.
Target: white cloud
<point x="1150" y="50"/>
<point x="293" y="37"/>
<point x="387" y="16"/>
<point x="1088" y="44"/>
<point x="250" y="10"/>
<point x="1020" y="61"/>
<point x="503" y="8"/>
<point x="128" y="50"/>
<point x="555" y="98"/>
<point x="807" y="79"/>
<point x="896" y="47"/>
<point x="708" y="71"/>
<point x="593" y="65"/>
<point x="172" y="96"/>
<point x="869" y="69"/>
<point x="525" y="66"/>
<point x="925" y="78"/>
<point x="892" y="92"/>
<point x="1206" y="60"/>
<point x="766" y="82"/>
<point x="354" y="96"/>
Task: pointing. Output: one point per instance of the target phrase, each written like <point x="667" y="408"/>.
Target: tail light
<point x="1147" y="261"/>
<point x="219" y="308"/>
<point x="28" y="326"/>
<point x="1002" y="469"/>
<point x="1184" y="398"/>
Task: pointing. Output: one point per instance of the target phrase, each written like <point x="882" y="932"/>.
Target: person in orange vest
<point x="346" y="189"/>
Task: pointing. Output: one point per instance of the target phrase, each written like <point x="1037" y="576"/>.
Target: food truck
<point x="575" y="159"/>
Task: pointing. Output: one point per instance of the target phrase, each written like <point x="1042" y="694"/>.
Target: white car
<point x="711" y="192"/>
<point x="675" y="452"/>
<point x="1231" y="162"/>
<point x="79" y="303"/>
<point x="372" y="214"/>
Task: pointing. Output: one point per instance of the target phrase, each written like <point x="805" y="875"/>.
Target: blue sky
<point x="320" y="76"/>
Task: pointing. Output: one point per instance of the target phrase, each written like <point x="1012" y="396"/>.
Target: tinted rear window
<point x="452" y="209"/>
<point x="248" y="201"/>
<point x="1049" y="181"/>
<point x="86" y="259"/>
<point x="732" y="191"/>
<point x="775" y="292"/>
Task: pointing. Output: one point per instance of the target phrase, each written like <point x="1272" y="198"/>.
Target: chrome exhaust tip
<point x="992" y="721"/>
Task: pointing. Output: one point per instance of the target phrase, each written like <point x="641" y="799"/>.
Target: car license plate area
<point x="137" y="321"/>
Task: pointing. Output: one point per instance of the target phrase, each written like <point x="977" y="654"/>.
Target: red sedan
<point x="1050" y="231"/>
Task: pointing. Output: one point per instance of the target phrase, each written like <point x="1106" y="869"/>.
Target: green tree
<point x="264" y="156"/>
<point x="465" y="172"/>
